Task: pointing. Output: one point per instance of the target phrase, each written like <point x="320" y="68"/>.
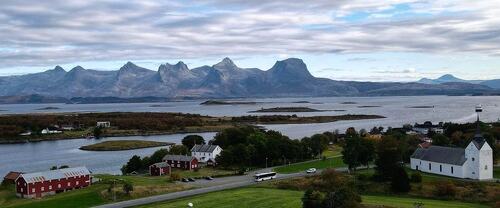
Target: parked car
<point x="311" y="170"/>
<point x="191" y="179"/>
<point x="209" y="178"/>
<point x="185" y="180"/>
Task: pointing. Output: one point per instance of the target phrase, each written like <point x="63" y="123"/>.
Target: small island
<point x="348" y="103"/>
<point x="422" y="106"/>
<point x="286" y="110"/>
<point x="119" y="145"/>
<point x="48" y="108"/>
<point x="369" y="106"/>
<point x="160" y="106"/>
<point x="220" y="102"/>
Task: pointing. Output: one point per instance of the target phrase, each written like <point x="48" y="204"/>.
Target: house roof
<point x="203" y="148"/>
<point x="439" y="154"/>
<point x="161" y="164"/>
<point x="12" y="175"/>
<point x="55" y="174"/>
<point x="179" y="158"/>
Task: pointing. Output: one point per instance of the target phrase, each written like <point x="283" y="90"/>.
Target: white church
<point x="473" y="162"/>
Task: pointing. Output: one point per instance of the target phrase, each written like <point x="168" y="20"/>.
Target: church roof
<point x="439" y="154"/>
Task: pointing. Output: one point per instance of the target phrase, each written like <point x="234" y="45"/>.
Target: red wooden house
<point x="181" y="161"/>
<point x="159" y="169"/>
<point x="39" y="184"/>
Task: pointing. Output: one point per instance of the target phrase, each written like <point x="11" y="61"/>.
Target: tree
<point x="351" y="132"/>
<point x="440" y="140"/>
<point x="97" y="132"/>
<point x="319" y="143"/>
<point x="344" y="197"/>
<point x="416" y="177"/>
<point x="179" y="150"/>
<point x="367" y="152"/>
<point x="134" y="164"/>
<point x="190" y="140"/>
<point x="350" y="152"/>
<point x="400" y="181"/>
<point x="312" y="199"/>
<point x="128" y="187"/>
<point x="388" y="157"/>
<point x="157" y="156"/>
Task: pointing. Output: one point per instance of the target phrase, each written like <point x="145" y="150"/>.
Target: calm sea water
<point x="398" y="110"/>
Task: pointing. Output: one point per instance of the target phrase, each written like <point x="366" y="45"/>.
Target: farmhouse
<point x="427" y="127"/>
<point x="103" y="124"/>
<point x="181" y="161"/>
<point x="474" y="162"/>
<point x="39" y="184"/>
<point x="205" y="152"/>
<point x="159" y="169"/>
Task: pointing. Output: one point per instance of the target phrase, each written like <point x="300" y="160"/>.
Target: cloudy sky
<point x="389" y="40"/>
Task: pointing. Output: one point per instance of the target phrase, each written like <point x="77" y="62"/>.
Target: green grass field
<point x="332" y="151"/>
<point x="241" y="198"/>
<point x="203" y="172"/>
<point x="403" y="202"/>
<point x="277" y="198"/>
<point x="334" y="162"/>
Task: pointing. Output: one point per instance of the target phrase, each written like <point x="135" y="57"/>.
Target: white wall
<point x="437" y="168"/>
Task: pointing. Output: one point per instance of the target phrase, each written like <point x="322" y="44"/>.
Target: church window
<point x="451" y="169"/>
<point x="472" y="159"/>
<point x="429" y="166"/>
<point x="486" y="167"/>
<point x="440" y="168"/>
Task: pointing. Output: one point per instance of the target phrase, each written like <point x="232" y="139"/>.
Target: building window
<point x="43" y="189"/>
<point x="33" y="190"/>
<point x="58" y="185"/>
<point x="77" y="183"/>
<point x="50" y="187"/>
<point x="451" y="169"/>
<point x="429" y="166"/>
<point x="440" y="168"/>
<point x="69" y="183"/>
<point x="22" y="190"/>
<point x="486" y="167"/>
<point x="472" y="159"/>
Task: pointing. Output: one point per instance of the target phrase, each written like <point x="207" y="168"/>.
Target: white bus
<point x="265" y="176"/>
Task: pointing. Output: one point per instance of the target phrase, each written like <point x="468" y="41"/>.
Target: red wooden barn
<point x="181" y="161"/>
<point x="39" y="184"/>
<point x="11" y="177"/>
<point x="159" y="169"/>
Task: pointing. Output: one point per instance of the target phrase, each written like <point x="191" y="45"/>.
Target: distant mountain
<point x="447" y="78"/>
<point x="225" y="79"/>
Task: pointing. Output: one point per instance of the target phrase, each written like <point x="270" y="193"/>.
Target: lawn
<point x="332" y="151"/>
<point x="404" y="202"/>
<point x="275" y="198"/>
<point x="203" y="172"/>
<point x="241" y="198"/>
<point x="334" y="162"/>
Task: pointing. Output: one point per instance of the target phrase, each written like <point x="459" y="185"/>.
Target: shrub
<point x="416" y="177"/>
<point x="127" y="188"/>
<point x="400" y="181"/>
<point x="175" y="177"/>
<point x="445" y="189"/>
<point x="363" y="177"/>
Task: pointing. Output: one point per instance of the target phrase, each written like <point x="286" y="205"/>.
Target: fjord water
<point x="397" y="110"/>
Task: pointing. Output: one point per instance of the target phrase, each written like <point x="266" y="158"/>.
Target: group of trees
<point x="331" y="190"/>
<point x="138" y="164"/>
<point x="251" y="147"/>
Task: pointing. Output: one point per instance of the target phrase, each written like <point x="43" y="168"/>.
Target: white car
<point x="311" y="170"/>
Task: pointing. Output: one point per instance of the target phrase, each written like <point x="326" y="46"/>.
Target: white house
<point x="205" y="152"/>
<point x="473" y="162"/>
<point x="103" y="124"/>
<point x="426" y="127"/>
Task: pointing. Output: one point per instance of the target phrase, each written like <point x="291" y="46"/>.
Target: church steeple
<point x="478" y="139"/>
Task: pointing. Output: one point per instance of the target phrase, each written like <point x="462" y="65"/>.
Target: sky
<point x="389" y="40"/>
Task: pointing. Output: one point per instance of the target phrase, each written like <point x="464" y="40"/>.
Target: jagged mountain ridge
<point x="225" y="79"/>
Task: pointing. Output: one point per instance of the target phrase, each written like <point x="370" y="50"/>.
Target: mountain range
<point x="447" y="78"/>
<point x="287" y="78"/>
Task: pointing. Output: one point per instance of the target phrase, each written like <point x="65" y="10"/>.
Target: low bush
<point x="416" y="177"/>
<point x="445" y="189"/>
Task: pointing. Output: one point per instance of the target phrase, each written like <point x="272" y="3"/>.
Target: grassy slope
<point x="404" y="202"/>
<point x="203" y="172"/>
<point x="334" y="162"/>
<point x="93" y="195"/>
<point x="274" y="198"/>
<point x="122" y="145"/>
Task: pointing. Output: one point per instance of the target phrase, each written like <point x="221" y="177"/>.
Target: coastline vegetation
<point x="133" y="124"/>
<point x="118" y="145"/>
<point x="286" y="109"/>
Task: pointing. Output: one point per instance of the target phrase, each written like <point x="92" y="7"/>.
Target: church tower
<point x="479" y="157"/>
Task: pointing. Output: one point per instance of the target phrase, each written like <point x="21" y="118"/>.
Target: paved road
<point x="217" y="184"/>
